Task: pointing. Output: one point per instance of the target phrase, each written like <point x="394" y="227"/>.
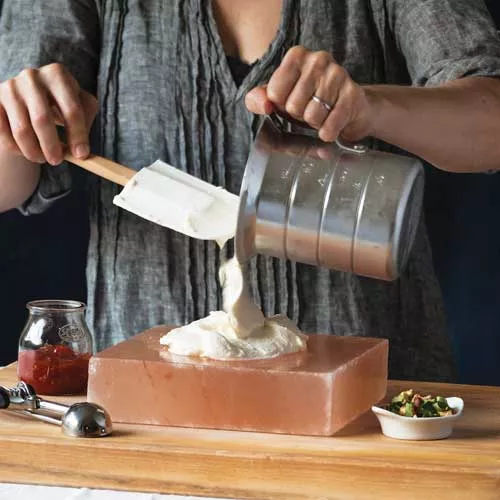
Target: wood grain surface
<point x="358" y="463"/>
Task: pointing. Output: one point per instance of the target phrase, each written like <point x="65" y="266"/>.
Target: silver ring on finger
<point x="323" y="103"/>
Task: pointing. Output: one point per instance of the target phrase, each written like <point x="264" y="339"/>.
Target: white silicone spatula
<point x="167" y="196"/>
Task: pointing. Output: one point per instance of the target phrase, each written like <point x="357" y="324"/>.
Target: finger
<point x="314" y="67"/>
<point x="317" y="112"/>
<point x="41" y="116"/>
<point x="20" y="124"/>
<point x="257" y="101"/>
<point x="328" y="89"/>
<point x="300" y="96"/>
<point x="58" y="117"/>
<point x="90" y="107"/>
<point x="332" y="81"/>
<point x="64" y="92"/>
<point x="7" y="142"/>
<point x="286" y="76"/>
<point x="339" y="117"/>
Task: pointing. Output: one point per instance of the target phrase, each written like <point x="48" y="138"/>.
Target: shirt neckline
<point x="259" y="66"/>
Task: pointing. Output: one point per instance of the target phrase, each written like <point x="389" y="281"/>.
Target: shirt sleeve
<point x="444" y="40"/>
<point x="34" y="33"/>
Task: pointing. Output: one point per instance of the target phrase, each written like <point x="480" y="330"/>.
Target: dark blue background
<point x="44" y="257"/>
<point x="463" y="217"/>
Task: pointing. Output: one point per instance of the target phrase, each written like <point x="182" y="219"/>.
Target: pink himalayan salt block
<point x="310" y="393"/>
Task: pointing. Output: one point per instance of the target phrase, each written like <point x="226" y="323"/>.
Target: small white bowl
<point x="421" y="428"/>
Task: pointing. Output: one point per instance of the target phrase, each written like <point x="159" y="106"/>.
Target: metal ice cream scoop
<point x="85" y="420"/>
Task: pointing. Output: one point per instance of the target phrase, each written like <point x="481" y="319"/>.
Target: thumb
<point x="257" y="101"/>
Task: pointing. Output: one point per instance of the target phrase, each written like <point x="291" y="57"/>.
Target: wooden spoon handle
<point x="104" y="168"/>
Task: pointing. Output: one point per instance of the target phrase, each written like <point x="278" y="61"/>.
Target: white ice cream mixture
<point x="240" y="331"/>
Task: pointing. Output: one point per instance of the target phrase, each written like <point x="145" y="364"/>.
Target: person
<point x="188" y="82"/>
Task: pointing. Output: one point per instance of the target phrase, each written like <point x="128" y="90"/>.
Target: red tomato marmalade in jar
<point x="54" y="370"/>
<point x="55" y="348"/>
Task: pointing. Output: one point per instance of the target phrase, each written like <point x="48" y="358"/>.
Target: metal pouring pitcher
<point x="342" y="207"/>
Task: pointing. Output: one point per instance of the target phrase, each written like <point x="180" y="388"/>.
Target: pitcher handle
<point x="278" y="117"/>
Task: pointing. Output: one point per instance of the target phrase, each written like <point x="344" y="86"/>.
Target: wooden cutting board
<point x="359" y="463"/>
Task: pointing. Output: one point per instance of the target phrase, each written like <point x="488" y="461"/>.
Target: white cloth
<point x="28" y="492"/>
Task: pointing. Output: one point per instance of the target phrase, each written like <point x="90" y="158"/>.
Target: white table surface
<point x="27" y="492"/>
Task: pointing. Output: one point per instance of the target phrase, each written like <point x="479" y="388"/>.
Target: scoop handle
<point x="104" y="168"/>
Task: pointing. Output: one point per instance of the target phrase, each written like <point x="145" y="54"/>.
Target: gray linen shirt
<point x="165" y="91"/>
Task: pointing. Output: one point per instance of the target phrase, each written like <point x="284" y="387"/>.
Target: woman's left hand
<point x="313" y="88"/>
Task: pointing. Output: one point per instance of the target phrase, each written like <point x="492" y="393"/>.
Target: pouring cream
<point x="240" y="331"/>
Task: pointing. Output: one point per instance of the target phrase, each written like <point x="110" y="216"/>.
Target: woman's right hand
<point x="33" y="103"/>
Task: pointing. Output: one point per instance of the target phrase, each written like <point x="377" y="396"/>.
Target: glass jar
<point x="55" y="348"/>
